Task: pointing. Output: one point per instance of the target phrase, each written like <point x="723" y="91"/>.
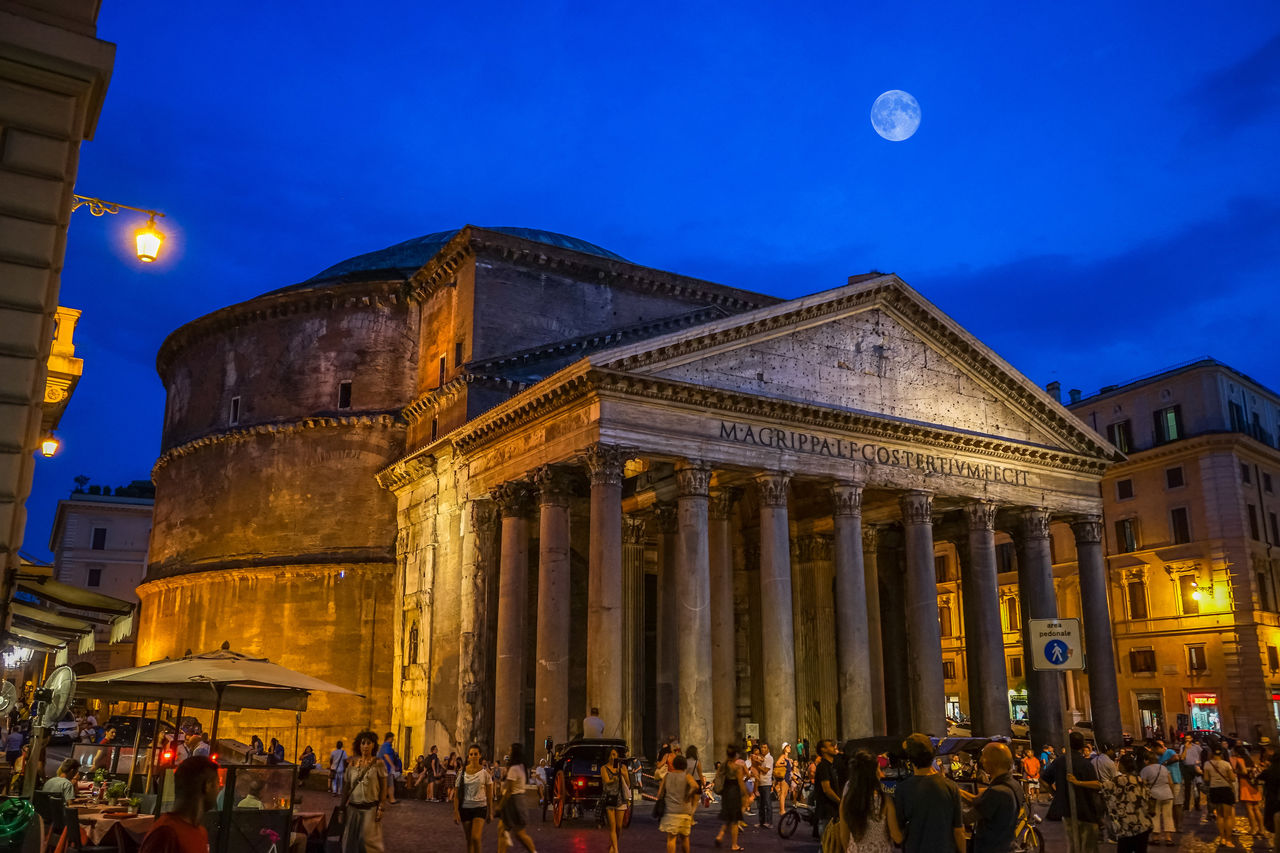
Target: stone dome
<point x="413" y="254"/>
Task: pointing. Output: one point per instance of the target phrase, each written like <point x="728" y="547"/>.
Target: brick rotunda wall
<point x="270" y="532"/>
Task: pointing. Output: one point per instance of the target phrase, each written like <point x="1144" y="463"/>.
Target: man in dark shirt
<point x="1084" y="826"/>
<point x="928" y="803"/>
<point x="999" y="805"/>
<point x="826" y="785"/>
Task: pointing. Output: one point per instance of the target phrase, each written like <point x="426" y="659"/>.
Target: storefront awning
<point x="38" y="583"/>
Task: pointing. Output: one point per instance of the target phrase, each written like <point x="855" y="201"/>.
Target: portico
<point x="796" y="467"/>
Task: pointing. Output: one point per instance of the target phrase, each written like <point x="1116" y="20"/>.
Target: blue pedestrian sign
<point x="1055" y="644"/>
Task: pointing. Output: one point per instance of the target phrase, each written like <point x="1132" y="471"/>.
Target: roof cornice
<point x="367" y="421"/>
<point x="470" y="241"/>
<point x="326" y="299"/>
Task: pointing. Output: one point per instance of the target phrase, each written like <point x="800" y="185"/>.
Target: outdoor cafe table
<point x="108" y="824"/>
<point x="310" y="824"/>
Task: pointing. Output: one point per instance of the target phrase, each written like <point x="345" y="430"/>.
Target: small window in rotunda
<point x="344" y="394"/>
<point x="412" y="655"/>
<point x="235" y="411"/>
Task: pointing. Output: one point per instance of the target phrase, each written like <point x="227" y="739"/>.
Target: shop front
<point x="1205" y="716"/>
<point x="1150" y="714"/>
<point x="1275" y="704"/>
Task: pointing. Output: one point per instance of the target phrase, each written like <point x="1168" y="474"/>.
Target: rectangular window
<point x="1142" y="660"/>
<point x="99" y="541"/>
<point x="949" y="670"/>
<point x="1011" y="613"/>
<point x="443" y="369"/>
<point x="1173" y="477"/>
<point x="1273" y="658"/>
<point x="1275" y="529"/>
<point x="1264" y="592"/>
<point x="1126" y="535"/>
<point x="1266" y="482"/>
<point x="1121" y="435"/>
<point x="344" y="394"/>
<point x="1244" y="473"/>
<point x="1189" y="592"/>
<point x="235" y="411"/>
<point x="1237" y="417"/>
<point x="95" y="578"/>
<point x="1137" y="593"/>
<point x="1006" y="558"/>
<point x="1124" y="489"/>
<point x="1253" y="522"/>
<point x="1168" y="424"/>
<point x="1015" y="667"/>
<point x="457" y="354"/>
<point x="1180" y="525"/>
<point x="1196" y="661"/>
<point x="435" y="428"/>
<point x="941" y="571"/>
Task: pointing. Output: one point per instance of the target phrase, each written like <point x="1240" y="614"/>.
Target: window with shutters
<point x="941" y="568"/>
<point x="1126" y="535"/>
<point x="1121" y="435"/>
<point x="1180" y="525"/>
<point x="1196" y="660"/>
<point x="94" y="578"/>
<point x="1136" y="591"/>
<point x="1124" y="489"/>
<point x="98" y="542"/>
<point x="1168" y="424"/>
<point x="1011" y="622"/>
<point x="1015" y="666"/>
<point x="1253" y="523"/>
<point x="1273" y="658"/>
<point x="944" y="620"/>
<point x="949" y="669"/>
<point x="1245" y="476"/>
<point x="1189" y="594"/>
<point x="1142" y="660"/>
<point x="1173" y="478"/>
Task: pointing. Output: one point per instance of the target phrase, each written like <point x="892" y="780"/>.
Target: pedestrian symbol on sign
<point x="1056" y="652"/>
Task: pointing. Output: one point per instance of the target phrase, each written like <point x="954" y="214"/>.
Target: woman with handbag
<point x="364" y="795"/>
<point x="1159" y="781"/>
<point x="1126" y="796"/>
<point x="678" y="794"/>
<point x="731" y="785"/>
<point x="615" y="795"/>
<point x="1221" y="780"/>
<point x="473" y="801"/>
<point x="1250" y="795"/>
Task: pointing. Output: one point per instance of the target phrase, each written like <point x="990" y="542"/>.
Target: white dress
<point x="875" y="839"/>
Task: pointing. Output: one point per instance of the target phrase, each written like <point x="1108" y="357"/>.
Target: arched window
<point x="944" y="619"/>
<point x="412" y="655"/>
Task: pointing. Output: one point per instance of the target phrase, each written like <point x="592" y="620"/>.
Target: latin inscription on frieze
<point x="870" y="453"/>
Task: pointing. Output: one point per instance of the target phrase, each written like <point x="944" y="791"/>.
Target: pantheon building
<point x="493" y="477"/>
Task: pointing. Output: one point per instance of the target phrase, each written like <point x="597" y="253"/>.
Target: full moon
<point x="895" y="115"/>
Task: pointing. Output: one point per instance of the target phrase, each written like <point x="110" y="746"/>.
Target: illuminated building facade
<point x="493" y="477"/>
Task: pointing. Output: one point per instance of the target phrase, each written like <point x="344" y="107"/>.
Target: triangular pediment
<point x="874" y="347"/>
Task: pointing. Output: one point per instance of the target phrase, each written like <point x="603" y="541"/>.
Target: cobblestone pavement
<point x="413" y="825"/>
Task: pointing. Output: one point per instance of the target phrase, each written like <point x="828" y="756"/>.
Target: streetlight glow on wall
<point x="147" y="238"/>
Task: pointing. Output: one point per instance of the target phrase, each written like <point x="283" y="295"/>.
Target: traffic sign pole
<point x="1056" y="647"/>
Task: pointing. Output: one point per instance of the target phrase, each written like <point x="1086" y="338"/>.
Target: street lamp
<point x="49" y="446"/>
<point x="147" y="238"/>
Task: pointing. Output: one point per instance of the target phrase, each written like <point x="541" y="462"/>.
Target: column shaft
<point x="693" y="596"/>
<point x="777" y="627"/>
<point x="605" y="619"/>
<point x="1035" y="587"/>
<point x="472" y="726"/>
<point x="1104" y="693"/>
<point x="551" y="675"/>
<point x="875" y="641"/>
<point x="633" y="700"/>
<point x="853" y="642"/>
<point x="513" y="596"/>
<point x="723" y="671"/>
<point x="988" y="678"/>
<point x="895" y="642"/>
<point x="666" y="678"/>
<point x="924" y="669"/>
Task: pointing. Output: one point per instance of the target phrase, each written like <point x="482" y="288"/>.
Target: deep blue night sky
<point x="1093" y="191"/>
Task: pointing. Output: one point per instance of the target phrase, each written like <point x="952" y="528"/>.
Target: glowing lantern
<point x="148" y="239"/>
<point x="49" y="446"/>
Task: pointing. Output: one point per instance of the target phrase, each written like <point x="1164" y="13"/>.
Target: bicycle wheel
<point x="1032" y="841"/>
<point x="788" y="822"/>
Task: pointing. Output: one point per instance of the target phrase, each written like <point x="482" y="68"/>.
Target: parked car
<point x="64" y="731"/>
<point x="1020" y="728"/>
<point x="126" y="727"/>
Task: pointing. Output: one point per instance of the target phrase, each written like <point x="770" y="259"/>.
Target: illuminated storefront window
<point x="1204" y="711"/>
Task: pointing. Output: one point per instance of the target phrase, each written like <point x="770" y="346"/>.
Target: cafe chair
<point x="49" y="809"/>
<point x="72" y="821"/>
<point x="147" y="804"/>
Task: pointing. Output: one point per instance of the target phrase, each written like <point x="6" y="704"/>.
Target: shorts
<point x="676" y="824"/>
<point x="474" y="813"/>
<point x="1222" y="796"/>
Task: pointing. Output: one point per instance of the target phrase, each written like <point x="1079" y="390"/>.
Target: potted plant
<point x="116" y="791"/>
<point x="134" y="803"/>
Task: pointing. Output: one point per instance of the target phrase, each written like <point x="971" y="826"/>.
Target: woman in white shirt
<point x="510" y="815"/>
<point x="1159" y="782"/>
<point x="474" y="800"/>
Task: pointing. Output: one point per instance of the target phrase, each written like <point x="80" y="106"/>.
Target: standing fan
<point x="8" y="697"/>
<point x="53" y="699"/>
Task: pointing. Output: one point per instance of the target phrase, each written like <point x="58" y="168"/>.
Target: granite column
<point x="984" y="640"/>
<point x="723" y="660"/>
<point x="693" y="609"/>
<point x="778" y="651"/>
<point x="605" y="670"/>
<point x="551" y="674"/>
<point x="924" y="667"/>
<point x="1104" y="694"/>
<point x="1039" y="601"/>
<point x="515" y="505"/>
<point x="853" y="643"/>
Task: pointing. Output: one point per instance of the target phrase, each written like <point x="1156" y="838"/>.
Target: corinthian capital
<point x="1034" y="523"/>
<point x="515" y="500"/>
<point x="555" y="487"/>
<point x="604" y="462"/>
<point x="846" y="499"/>
<point x="1087" y="529"/>
<point x="721" y="503"/>
<point x="665" y="517"/>
<point x="632" y="530"/>
<point x="917" y="507"/>
<point x="981" y="515"/>
<point x="693" y="479"/>
<point x="773" y="487"/>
